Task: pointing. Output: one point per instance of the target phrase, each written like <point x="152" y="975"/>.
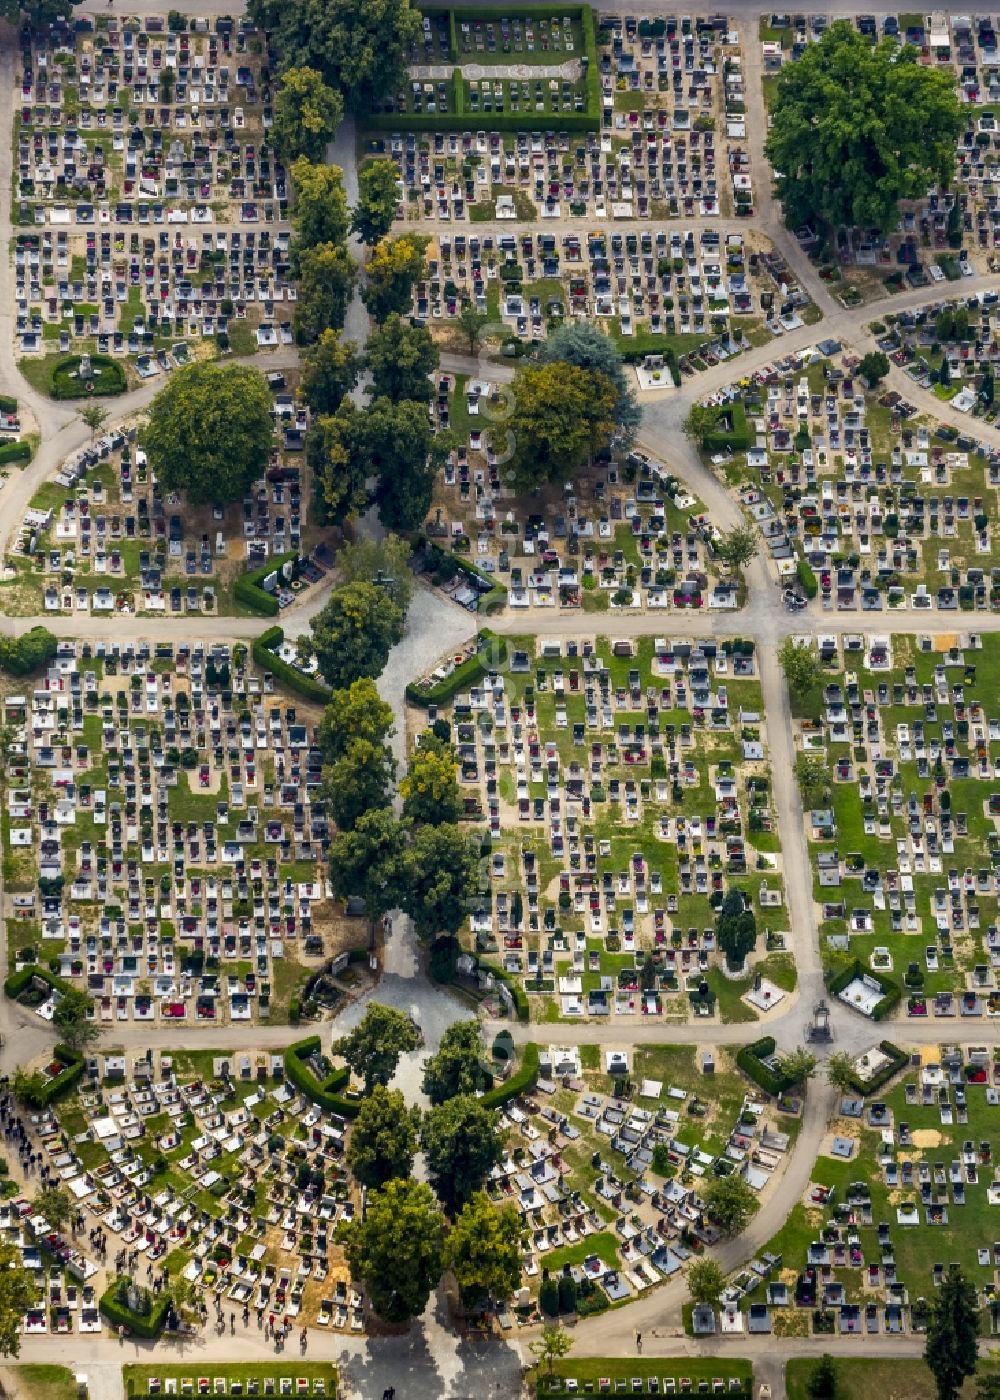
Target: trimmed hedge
<point x="264" y="654"/>
<point x="120" y="1315"/>
<point x="738" y="437"/>
<point x="522" y="1081"/>
<point x="463" y="676"/>
<point x="249" y="592"/>
<point x="15" y="452"/>
<point x="61" y="1084"/>
<point x="323" y="1095"/>
<point x="899" y="1061"/>
<point x="750" y="1059"/>
<point x="8" y="403"/>
<point x="108" y="379"/>
<point x="891" y="991"/>
<point x="806" y="578"/>
<point x="17" y="981"/>
<point x="516" y="990"/>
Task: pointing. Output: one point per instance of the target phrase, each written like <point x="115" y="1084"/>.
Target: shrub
<point x="522" y="1081"/>
<point x="248" y="587"/>
<point x="325" y="1095"/>
<point x="807" y="579"/>
<point x="464" y="676"/>
<point x="548" y="1297"/>
<point x="107" y="377"/>
<point x="15" y="452"/>
<point x="114" y="1306"/>
<point x="750" y="1059"/>
<point x="264" y="654"/>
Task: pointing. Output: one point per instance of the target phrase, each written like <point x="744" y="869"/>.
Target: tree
<point x="562" y="416"/>
<point x="731" y="1203"/>
<point x="857" y="127"/>
<point x="358" y="782"/>
<point x="369" y="862"/>
<point x="373" y="1047"/>
<point x="461" y="1142"/>
<point x="94" y="416"/>
<point x="383" y="1138"/>
<point x="430" y="788"/>
<point x="840" y="1071"/>
<point x="813" y="778"/>
<point x="361" y="50"/>
<point x="385" y="562"/>
<point x="18" y="1293"/>
<point x="29" y="1086"/>
<point x="391" y="442"/>
<point x="583" y="344"/>
<point x="396" y="1250"/>
<point x="394" y="268"/>
<point x="307" y="113"/>
<point x="822" y="1381"/>
<point x="355" y="632"/>
<point x="472" y="323"/>
<point x="72" y="1018"/>
<point x="483" y="1251"/>
<point x="330" y="371"/>
<point x="326" y="276"/>
<point x="705" y="1281"/>
<point x="799" y="1065"/>
<point x="54" y="1205"/>
<point x="400" y="359"/>
<point x="209" y="432"/>
<point x="944" y="374"/>
<point x="339" y="474"/>
<point x="321" y="214"/>
<point x="736" y="929"/>
<point x="39" y="14"/>
<point x="33" y="649"/>
<point x="442" y="876"/>
<point x="951" y="1348"/>
<point x="551" y="1346"/>
<point x="800" y="666"/>
<point x="457" y="1068"/>
<point x="737" y="547"/>
<point x="701" y="422"/>
<point x="358" y="712"/>
<point x="378" y="196"/>
<point x="183" y="1295"/>
<point x="873" y="367"/>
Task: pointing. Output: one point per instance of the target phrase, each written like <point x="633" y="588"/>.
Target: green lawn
<point x="901" y="1378"/>
<point x="46" y="1382"/>
<point x="604" y="1244"/>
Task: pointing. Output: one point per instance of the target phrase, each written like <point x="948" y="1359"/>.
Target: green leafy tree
<point x="378" y="196"/>
<point x="383" y="1138"/>
<point x="373" y="1048"/>
<point x="209" y="432"/>
<point x="396" y="1250"/>
<point x="857" y="127"/>
<point x="39" y="14"/>
<point x="562" y="417"/>
<point x="801" y="667"/>
<point x="442" y="877"/>
<point x="19" y="656"/>
<point x="822" y="1382"/>
<point x="54" y="1204"/>
<point x="307" y="113"/>
<point x="357" y="712"/>
<point x="430" y="788"/>
<point x="361" y="50"/>
<point x="813" y="778"/>
<point x="18" y="1293"/>
<point x="29" y="1086"/>
<point x="472" y="323"/>
<point x="583" y="344"/>
<point x="339" y="474"/>
<point x="394" y="268"/>
<point x="705" y="1281"/>
<point x="400" y="359"/>
<point x="731" y="1203"/>
<point x="330" y="371"/>
<point x="951" y="1348"/>
<point x="326" y="276"/>
<point x="799" y="1065"/>
<point x="737" y="547"/>
<point x="354" y="633"/>
<point x="321" y="214"/>
<point x="840" y="1071"/>
<point x="701" y="422"/>
<point x="457" y="1067"/>
<point x="483" y="1251"/>
<point x="553" y="1344"/>
<point x="72" y="1018"/>
<point x="944" y="373"/>
<point x="736" y="929"/>
<point x="873" y="367"/>
<point x="369" y="862"/>
<point x="94" y="417"/>
<point x="385" y="562"/>
<point x="462" y="1142"/>
<point x="359" y="781"/>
